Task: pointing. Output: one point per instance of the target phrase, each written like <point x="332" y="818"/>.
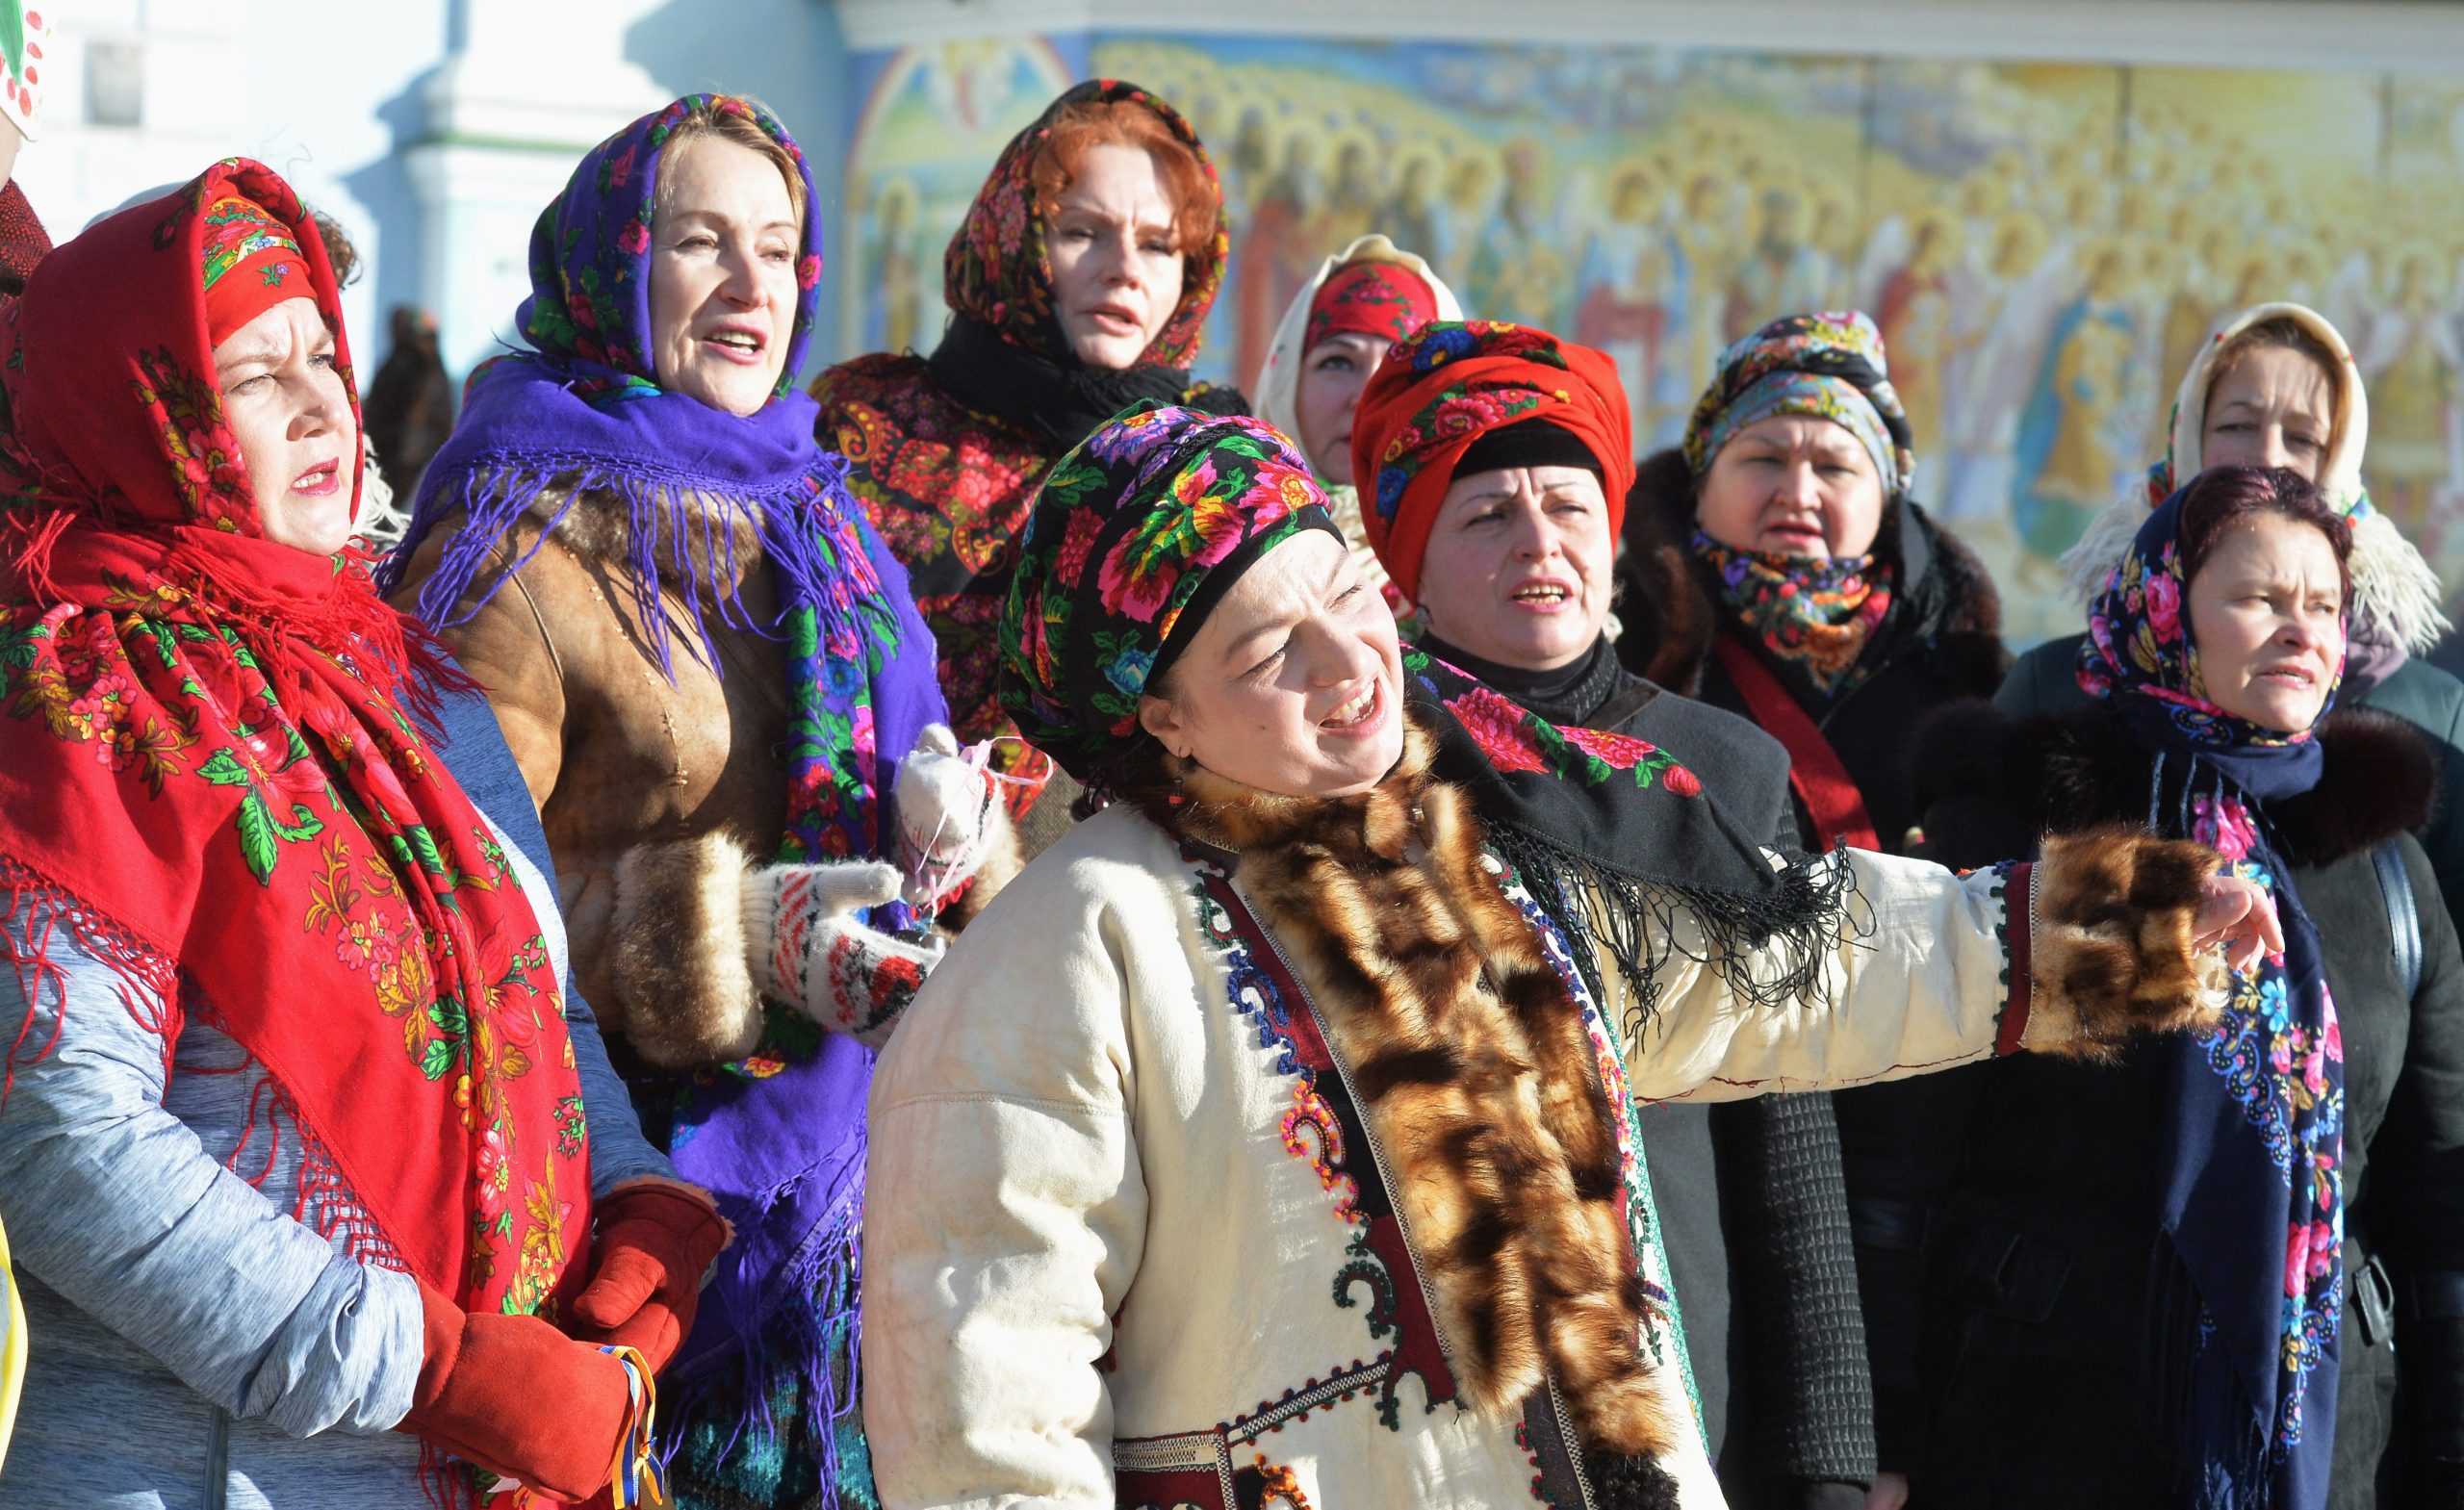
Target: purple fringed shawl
<point x="779" y="1137"/>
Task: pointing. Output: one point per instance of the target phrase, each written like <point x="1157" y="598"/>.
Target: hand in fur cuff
<point x="805" y="945"/>
<point x="676" y="952"/>
<point x="950" y="816"/>
<point x="2123" y="940"/>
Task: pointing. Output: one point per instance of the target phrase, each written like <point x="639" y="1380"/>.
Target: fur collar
<point x="1480" y="1082"/>
<point x="2082" y="768"/>
<point x="1375" y="827"/>
<point x="1669" y="602"/>
<point x="599" y="527"/>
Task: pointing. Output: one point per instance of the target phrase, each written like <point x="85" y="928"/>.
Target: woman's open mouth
<point x="322" y="480"/>
<point x="1361" y="713"/>
<point x="1542" y="596"/>
<point x="734" y="343"/>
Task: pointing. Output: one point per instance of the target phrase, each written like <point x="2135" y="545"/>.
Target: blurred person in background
<point x="1363" y="299"/>
<point x="410" y="400"/>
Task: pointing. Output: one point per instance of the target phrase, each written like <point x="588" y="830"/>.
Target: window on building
<point x="114" y="84"/>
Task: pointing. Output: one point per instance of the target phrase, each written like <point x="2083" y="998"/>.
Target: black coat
<point x="1753" y="1213"/>
<point x="1940" y="644"/>
<point x="2027" y="1188"/>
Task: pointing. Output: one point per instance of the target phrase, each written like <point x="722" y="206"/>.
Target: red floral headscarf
<point x="998" y="272"/>
<point x="1370" y="298"/>
<point x="1451" y="382"/>
<point x="207" y="762"/>
<point x="252" y="263"/>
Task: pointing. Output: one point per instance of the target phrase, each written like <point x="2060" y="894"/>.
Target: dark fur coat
<point x="1990" y="783"/>
<point x="2036" y="1172"/>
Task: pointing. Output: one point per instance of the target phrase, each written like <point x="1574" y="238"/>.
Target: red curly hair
<point x="1092" y="123"/>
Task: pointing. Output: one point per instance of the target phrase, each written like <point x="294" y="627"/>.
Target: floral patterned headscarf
<point x="2252" y="1162"/>
<point x="582" y="412"/>
<point x="1447" y="385"/>
<point x="589" y="309"/>
<point x="1814" y="614"/>
<point x="1135" y="537"/>
<point x="1139" y="532"/>
<point x="1829" y="366"/>
<point x="1384" y="299"/>
<point x="209" y="766"/>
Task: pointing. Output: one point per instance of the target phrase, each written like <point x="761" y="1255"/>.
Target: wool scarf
<point x="1817" y="613"/>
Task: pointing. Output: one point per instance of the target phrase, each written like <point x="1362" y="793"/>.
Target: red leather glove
<point x="655" y="1241"/>
<point x="513" y="1395"/>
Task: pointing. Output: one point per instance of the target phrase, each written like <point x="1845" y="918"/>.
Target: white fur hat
<point x="2392" y="584"/>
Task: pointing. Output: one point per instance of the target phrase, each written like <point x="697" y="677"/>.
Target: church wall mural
<point x="2044" y="245"/>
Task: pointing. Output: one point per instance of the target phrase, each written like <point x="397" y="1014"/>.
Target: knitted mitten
<point x="805" y="945"/>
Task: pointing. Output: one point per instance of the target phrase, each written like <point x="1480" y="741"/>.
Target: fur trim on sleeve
<point x="2110" y="943"/>
<point x="676" y="953"/>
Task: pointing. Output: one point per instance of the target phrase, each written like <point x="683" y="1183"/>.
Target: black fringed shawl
<point x="1608" y="819"/>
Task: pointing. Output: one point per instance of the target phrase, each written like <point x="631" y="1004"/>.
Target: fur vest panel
<point x="1476" y="1076"/>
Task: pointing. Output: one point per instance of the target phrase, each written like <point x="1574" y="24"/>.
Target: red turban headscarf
<point x="1448" y="384"/>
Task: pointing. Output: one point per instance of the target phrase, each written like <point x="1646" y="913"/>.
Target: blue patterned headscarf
<point x="2251" y="1166"/>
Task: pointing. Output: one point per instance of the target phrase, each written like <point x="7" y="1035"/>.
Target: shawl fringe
<point x="376" y="637"/>
<point x="2188" y="1380"/>
<point x="144" y="973"/>
<point x="1771" y="950"/>
<point x="678" y="529"/>
<point x="807" y="1313"/>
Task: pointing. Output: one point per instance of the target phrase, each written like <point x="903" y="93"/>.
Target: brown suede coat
<point x="619" y="757"/>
